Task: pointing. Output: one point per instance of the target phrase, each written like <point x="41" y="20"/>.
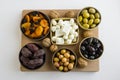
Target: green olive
<point x="56" y="59"/>
<point x="97" y="15"/>
<point x="80" y="18"/>
<point x="61" y="68"/>
<point x="65" y="69"/>
<point x="93" y="25"/>
<point x="92" y="16"/>
<point x="92" y="10"/>
<point x="86" y="26"/>
<point x="84" y="11"/>
<point x="58" y="54"/>
<point x="63" y="51"/>
<point x="86" y="15"/>
<point x="85" y="20"/>
<point x="96" y="21"/>
<point x="90" y="21"/>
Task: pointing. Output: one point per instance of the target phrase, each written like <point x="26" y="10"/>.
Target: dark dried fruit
<point x="26" y="52"/>
<point x="39" y="53"/>
<point x="32" y="47"/>
<point x="24" y="59"/>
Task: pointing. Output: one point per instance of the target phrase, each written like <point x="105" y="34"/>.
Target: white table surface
<point x="10" y="37"/>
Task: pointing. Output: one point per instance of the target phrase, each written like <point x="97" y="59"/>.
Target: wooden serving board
<point x="93" y="66"/>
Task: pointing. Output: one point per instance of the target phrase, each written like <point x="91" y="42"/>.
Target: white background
<point x="109" y="33"/>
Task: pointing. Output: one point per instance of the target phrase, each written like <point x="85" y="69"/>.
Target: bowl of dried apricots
<point x="35" y="25"/>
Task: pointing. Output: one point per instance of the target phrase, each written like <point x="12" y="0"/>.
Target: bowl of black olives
<point x="89" y="18"/>
<point x="64" y="60"/>
<point x="32" y="56"/>
<point x="91" y="48"/>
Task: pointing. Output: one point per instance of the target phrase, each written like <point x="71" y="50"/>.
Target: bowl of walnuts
<point x="35" y="25"/>
<point x="64" y="60"/>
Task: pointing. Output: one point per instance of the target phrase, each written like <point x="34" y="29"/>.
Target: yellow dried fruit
<point x="45" y="30"/>
<point x="36" y="18"/>
<point x="44" y="23"/>
<point x="27" y="18"/>
<point x="26" y="25"/>
<point x="39" y="31"/>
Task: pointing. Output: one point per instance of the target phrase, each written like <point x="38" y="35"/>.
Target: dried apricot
<point x="44" y="23"/>
<point x="39" y="31"/>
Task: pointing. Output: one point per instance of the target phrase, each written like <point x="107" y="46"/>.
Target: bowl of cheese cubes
<point x="64" y="31"/>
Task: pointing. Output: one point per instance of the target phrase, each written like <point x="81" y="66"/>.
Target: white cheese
<point x="54" y="38"/>
<point x="54" y="22"/>
<point x="59" y="41"/>
<point x="74" y="40"/>
<point x="69" y="41"/>
<point x="71" y="36"/>
<point x="72" y="31"/>
<point x="53" y="28"/>
<point x="75" y="26"/>
<point x="59" y="33"/>
<point x="76" y="34"/>
<point x="65" y="37"/>
<point x="72" y="21"/>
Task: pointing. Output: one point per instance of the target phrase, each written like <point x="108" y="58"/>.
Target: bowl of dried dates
<point x="32" y="56"/>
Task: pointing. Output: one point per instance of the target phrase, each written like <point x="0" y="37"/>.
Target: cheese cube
<point x="54" y="22"/>
<point x="69" y="41"/>
<point x="53" y="28"/>
<point x="76" y="34"/>
<point x="71" y="36"/>
<point x="59" y="41"/>
<point x="59" y="33"/>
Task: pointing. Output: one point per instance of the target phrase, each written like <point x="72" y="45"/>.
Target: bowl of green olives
<point x="89" y="18"/>
<point x="91" y="48"/>
<point x="64" y="60"/>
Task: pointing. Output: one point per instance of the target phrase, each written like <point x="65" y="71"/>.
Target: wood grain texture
<point x="93" y="66"/>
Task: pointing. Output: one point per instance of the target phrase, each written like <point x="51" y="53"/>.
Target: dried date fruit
<point x="26" y="52"/>
<point x="32" y="47"/>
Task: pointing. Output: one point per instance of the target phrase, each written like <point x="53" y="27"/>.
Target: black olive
<point x="85" y="43"/>
<point x="85" y="55"/>
<point x="83" y="48"/>
<point x="92" y="57"/>
<point x="93" y="53"/>
<point x="90" y="49"/>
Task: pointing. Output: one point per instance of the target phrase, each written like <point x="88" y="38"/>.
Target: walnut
<point x="70" y="14"/>
<point x="54" y="14"/>
<point x="83" y="63"/>
<point x="53" y="48"/>
<point x="88" y="34"/>
<point x="46" y="42"/>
